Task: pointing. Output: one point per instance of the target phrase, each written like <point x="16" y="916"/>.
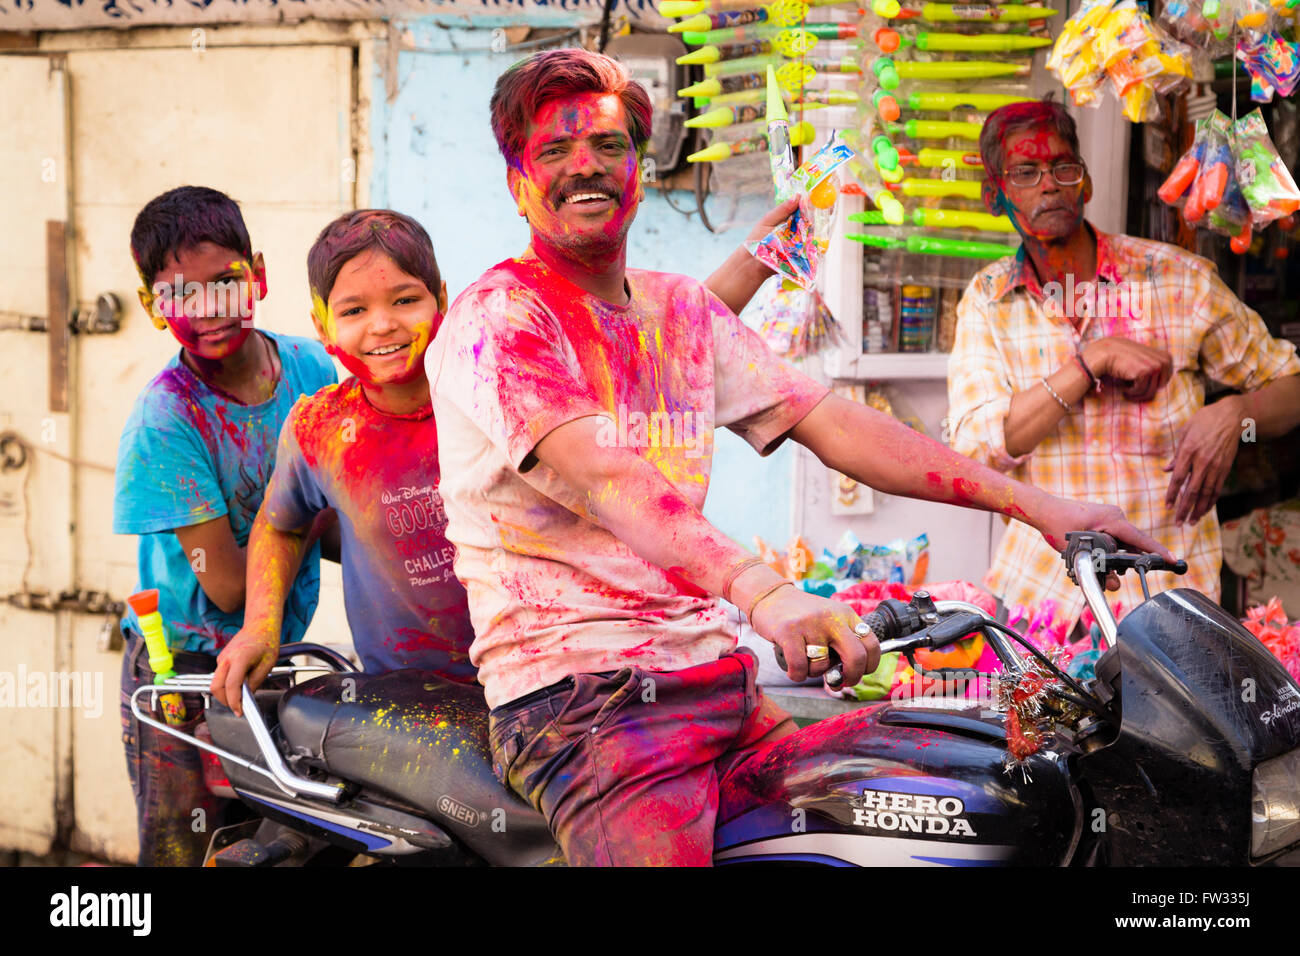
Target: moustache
<point x="597" y="184"/>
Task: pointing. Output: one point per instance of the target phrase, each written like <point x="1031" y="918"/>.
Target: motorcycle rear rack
<point x="292" y="784"/>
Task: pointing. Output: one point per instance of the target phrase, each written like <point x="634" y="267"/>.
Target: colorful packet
<point x="1266" y="184"/>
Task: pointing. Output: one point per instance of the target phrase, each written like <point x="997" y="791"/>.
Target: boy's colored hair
<point x="400" y="237"/>
<point x="182" y="218"/>
<point x="549" y="75"/>
<point x="1012" y="118"/>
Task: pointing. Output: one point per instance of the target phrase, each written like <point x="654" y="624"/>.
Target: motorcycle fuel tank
<point x="911" y="784"/>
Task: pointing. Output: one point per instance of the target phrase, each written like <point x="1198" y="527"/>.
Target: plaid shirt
<point x="1012" y="332"/>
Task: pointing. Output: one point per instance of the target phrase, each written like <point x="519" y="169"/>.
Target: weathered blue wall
<point x="435" y="159"/>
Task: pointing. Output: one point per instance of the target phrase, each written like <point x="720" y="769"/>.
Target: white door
<point x="273" y="128"/>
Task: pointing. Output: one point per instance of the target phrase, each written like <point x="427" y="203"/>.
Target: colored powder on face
<point x="415" y="354"/>
<point x="324" y="315"/>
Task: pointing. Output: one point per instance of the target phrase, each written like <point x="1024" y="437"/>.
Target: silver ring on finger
<point x="862" y="630"/>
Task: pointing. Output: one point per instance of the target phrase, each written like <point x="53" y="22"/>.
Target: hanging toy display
<point x="1272" y="63"/>
<point x="1232" y="179"/>
<point x="1119" y="42"/>
<point x="1266" y="183"/>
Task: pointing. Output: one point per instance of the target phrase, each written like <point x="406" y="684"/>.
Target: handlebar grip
<point x="880" y="625"/>
<point x="1104" y="541"/>
<point x="884" y="624"/>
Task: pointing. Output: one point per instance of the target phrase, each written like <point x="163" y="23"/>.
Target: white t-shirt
<point x="523" y="351"/>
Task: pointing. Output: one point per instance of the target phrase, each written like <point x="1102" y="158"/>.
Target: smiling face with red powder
<point x="377" y="301"/>
<point x="1036" y="177"/>
<point x="379" y="320"/>
<point x="577" y="182"/>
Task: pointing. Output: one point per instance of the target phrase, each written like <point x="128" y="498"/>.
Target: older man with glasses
<point x="1079" y="366"/>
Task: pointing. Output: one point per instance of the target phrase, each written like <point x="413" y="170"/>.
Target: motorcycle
<point x="1183" y="749"/>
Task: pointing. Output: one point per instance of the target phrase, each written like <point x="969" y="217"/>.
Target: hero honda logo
<point x="912" y="813"/>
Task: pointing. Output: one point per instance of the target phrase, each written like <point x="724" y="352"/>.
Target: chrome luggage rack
<point x="276" y="770"/>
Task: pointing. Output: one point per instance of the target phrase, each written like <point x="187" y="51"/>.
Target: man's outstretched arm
<point x="880" y="451"/>
<point x="632" y="500"/>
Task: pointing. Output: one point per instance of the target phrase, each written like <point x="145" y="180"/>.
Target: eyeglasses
<point x="1067" y="174"/>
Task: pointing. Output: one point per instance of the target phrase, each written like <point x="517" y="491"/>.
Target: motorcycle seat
<point x="424" y="740"/>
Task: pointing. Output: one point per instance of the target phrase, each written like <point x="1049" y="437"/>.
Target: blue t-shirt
<point x="380" y="473"/>
<point x="189" y="454"/>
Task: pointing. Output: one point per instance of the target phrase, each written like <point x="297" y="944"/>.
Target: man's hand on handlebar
<point x="793" y="619"/>
<point x="1059" y="516"/>
<point x="249" y="656"/>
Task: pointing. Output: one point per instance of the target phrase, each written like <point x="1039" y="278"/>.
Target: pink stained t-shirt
<point x="523" y="351"/>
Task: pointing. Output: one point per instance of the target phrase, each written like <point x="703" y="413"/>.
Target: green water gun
<point x="943" y="219"/>
<point x="947" y="70"/>
<point x="962" y="12"/>
<point x="790" y="76"/>
<point x="889" y="40"/>
<point x="935" y="129"/>
<point x="961" y="188"/>
<point x="789" y="41"/>
<point x="940" y="158"/>
<point x="945" y="101"/>
<point x="145" y="606"/>
<point x="801" y="134"/>
<point x="937" y="246"/>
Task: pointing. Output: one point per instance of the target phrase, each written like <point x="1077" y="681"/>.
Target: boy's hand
<point x="249" y="656"/>
<point x="793" y="619"/>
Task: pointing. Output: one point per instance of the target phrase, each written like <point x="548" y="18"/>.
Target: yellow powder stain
<point x="419" y="344"/>
<point x="324" y="315"/>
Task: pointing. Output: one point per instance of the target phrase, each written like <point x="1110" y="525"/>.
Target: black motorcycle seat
<point x="424" y="740"/>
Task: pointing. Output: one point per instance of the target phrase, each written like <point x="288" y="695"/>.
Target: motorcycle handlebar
<point x="899" y="627"/>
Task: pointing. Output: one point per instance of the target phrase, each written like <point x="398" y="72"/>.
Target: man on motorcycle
<point x="619" y="703"/>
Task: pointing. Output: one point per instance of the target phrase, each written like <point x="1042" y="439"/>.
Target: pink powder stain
<point x="231" y="429"/>
<point x="964" y="489"/>
<point x="676" y="575"/>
